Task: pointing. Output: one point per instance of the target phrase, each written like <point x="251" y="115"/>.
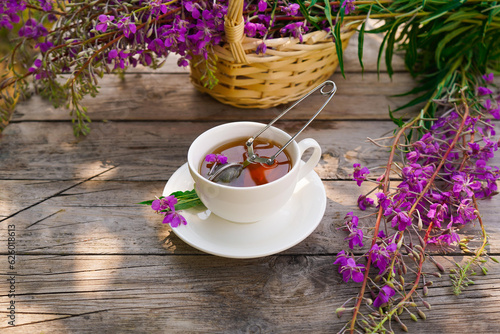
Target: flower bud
<point x="421" y="240"/>
<point x="413" y="317"/>
<point x="485" y="270"/>
<point x="439" y="266"/>
<point x="426" y="304"/>
<point x="426" y="290"/>
<point x="340" y="311"/>
<point x="421" y="314"/>
<point x="389" y="283"/>
<point x="493" y="259"/>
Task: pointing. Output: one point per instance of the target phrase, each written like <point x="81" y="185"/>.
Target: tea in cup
<point x="262" y="190"/>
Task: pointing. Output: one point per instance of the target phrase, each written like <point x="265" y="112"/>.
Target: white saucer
<point x="286" y="228"/>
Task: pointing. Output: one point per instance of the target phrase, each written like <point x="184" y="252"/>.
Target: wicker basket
<point x="286" y="72"/>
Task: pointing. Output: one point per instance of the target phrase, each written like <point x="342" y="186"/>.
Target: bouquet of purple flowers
<point x="89" y="39"/>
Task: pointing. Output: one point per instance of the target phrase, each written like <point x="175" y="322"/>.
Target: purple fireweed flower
<point x="296" y="29"/>
<point x="401" y="221"/>
<point x="364" y="202"/>
<point x="475" y="148"/>
<point x="126" y="26"/>
<point x="44" y="46"/>
<point x="359" y="173"/>
<point x="464" y="182"/>
<point x="193" y="9"/>
<point x="166" y="203"/>
<point x="174" y="219"/>
<point x="46" y="5"/>
<point x="495" y="113"/>
<point x="175" y="35"/>
<point x="32" y="29"/>
<point x="251" y="29"/>
<point x="112" y="54"/>
<point x="350" y="269"/>
<point x="262" y="5"/>
<point x="384" y="295"/>
<point x="157" y="46"/>
<point x="385" y="203"/>
<point x="488" y="77"/>
<point x="355" y="237"/>
<point x="341" y="259"/>
<point x="438" y="212"/>
<point x="104" y="20"/>
<point x="261" y="48"/>
<point x="183" y="62"/>
<point x="483" y="91"/>
<point x="38" y="69"/>
<point x="349" y="6"/>
<point x="218" y="158"/>
<point x="466" y="211"/>
<point x="448" y="237"/>
<point x="381" y="256"/>
<point x="291" y="9"/>
<point x="350" y="220"/>
<point x="413" y="156"/>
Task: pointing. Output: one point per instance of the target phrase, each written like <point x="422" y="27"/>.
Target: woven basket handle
<point x="234" y="27"/>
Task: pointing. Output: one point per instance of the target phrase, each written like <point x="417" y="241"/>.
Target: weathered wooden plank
<point x="157" y="294"/>
<point x="14" y="198"/>
<point x="161" y="96"/>
<point x="153" y="151"/>
<point x="101" y="217"/>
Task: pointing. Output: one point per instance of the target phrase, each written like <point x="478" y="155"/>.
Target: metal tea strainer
<point x="230" y="171"/>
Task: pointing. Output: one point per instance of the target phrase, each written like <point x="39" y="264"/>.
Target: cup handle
<point x="313" y="159"/>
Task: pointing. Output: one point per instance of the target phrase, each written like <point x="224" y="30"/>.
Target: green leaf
<point x="150" y="201"/>
<point x="338" y="42"/>
<point x="446" y="39"/>
<point x="411" y="49"/>
<point x="328" y="13"/>
<point x="389" y="50"/>
<point x="444" y="10"/>
<point x="361" y="40"/>
<point x="398" y="121"/>
<point x="188" y="204"/>
<point x="380" y="51"/>
<point x="305" y="12"/>
<point x="186" y="199"/>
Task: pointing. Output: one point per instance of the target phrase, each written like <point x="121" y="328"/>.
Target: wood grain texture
<point x="101" y="217"/>
<point x="171" y="97"/>
<point x="154" y="150"/>
<point x="200" y="294"/>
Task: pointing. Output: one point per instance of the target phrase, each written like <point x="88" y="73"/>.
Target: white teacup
<point x="248" y="204"/>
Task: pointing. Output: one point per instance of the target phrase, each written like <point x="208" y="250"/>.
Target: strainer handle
<point x="321" y="87"/>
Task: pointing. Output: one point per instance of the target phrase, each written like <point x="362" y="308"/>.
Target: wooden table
<point x="89" y="260"/>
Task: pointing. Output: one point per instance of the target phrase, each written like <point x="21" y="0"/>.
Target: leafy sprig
<point x="185" y="200"/>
